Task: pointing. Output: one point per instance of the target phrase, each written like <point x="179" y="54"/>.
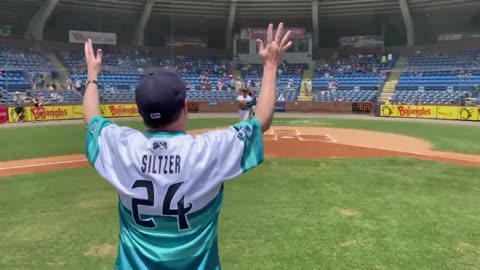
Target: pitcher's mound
<point x="321" y="142"/>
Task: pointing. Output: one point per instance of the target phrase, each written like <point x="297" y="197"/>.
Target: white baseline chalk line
<point x="43" y="164"/>
<point x="331" y="138"/>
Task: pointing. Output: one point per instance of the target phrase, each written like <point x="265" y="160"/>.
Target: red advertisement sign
<point x="3" y="115"/>
<point x="261" y="33"/>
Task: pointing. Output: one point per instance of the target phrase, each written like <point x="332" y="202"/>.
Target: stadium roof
<point x="249" y="8"/>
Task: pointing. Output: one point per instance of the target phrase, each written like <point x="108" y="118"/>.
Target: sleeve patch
<point x="94" y="130"/>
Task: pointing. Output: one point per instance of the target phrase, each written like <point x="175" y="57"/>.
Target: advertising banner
<point x="46" y="113"/>
<point x="68" y="112"/>
<point x="431" y="112"/>
<point x="187" y="42"/>
<point x="468" y="113"/>
<point x="3" y="115"/>
<point x="458" y="36"/>
<point x="447" y="112"/>
<point x="12" y="115"/>
<point x="361" y="42"/>
<point x="97" y="37"/>
<point x="119" y="110"/>
<point x="261" y="33"/>
<point x="77" y="111"/>
<point x="389" y="111"/>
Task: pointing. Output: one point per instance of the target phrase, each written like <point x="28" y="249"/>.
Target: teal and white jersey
<point x="170" y="188"/>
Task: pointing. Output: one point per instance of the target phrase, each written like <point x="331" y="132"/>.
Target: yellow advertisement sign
<point x="12" y="115"/>
<point x="77" y="112"/>
<point x="468" y="113"/>
<point x="119" y="110"/>
<point x="389" y="111"/>
<point x="431" y="112"/>
<point x="52" y="113"/>
<point x="447" y="112"/>
<point x="47" y="113"/>
<point x="424" y="111"/>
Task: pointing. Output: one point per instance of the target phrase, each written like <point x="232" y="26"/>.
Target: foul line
<point x="330" y="137"/>
<point x="43" y="164"/>
<point x="415" y="153"/>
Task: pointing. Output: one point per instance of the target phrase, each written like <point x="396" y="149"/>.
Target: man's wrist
<point x="270" y="67"/>
<point x="92" y="77"/>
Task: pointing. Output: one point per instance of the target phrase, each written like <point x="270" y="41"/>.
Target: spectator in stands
<point x="189" y="86"/>
<point x="384" y="74"/>
<point x="38" y="103"/>
<point x="208" y="85"/>
<point x="238" y="84"/>
<point x="290" y="83"/>
<point x="281" y="98"/>
<point x="78" y="84"/>
<point x="69" y="83"/>
<point x="220" y="84"/>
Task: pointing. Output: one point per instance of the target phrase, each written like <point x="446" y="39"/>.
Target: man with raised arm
<point x="170" y="184"/>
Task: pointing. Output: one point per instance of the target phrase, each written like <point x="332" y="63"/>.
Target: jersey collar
<point x="160" y="134"/>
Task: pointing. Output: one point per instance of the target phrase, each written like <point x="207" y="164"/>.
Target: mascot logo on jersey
<point x="244" y="132"/>
<point x="160" y="145"/>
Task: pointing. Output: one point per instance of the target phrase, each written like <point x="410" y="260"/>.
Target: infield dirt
<point x="291" y="142"/>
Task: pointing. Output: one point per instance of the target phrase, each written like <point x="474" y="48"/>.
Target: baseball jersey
<point x="246" y="99"/>
<point x="170" y="188"/>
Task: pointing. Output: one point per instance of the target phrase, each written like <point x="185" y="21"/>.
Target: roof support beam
<point x="138" y="38"/>
<point x="37" y="23"/>
<point x="315" y="24"/>
<point x="407" y="19"/>
<point x="231" y="21"/>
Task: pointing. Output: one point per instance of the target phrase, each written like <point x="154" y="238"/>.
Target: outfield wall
<point x="75" y="111"/>
<point x="430" y="112"/>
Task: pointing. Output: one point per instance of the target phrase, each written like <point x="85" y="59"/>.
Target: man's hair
<point x="164" y="121"/>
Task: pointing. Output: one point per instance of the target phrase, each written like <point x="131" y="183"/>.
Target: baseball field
<point x="332" y="194"/>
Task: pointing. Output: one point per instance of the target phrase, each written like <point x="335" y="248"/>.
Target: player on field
<point x="243" y="109"/>
<point x="170" y="184"/>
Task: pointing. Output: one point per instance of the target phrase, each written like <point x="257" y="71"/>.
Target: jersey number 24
<point x="180" y="212"/>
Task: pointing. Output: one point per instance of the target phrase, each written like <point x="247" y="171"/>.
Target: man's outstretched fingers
<point x="285" y="39"/>
<point x="279" y="33"/>
<point x="260" y="45"/>
<point x="270" y="34"/>
<point x="86" y="50"/>
<point x="99" y="55"/>
<point x="285" y="48"/>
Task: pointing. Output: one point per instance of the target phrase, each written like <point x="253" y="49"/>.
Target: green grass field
<point x="387" y="213"/>
<point x="63" y="140"/>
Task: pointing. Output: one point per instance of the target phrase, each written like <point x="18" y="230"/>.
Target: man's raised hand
<point x="272" y="53"/>
<point x="94" y="63"/>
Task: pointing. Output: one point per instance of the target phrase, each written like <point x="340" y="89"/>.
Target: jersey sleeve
<point x="100" y="145"/>
<point x="235" y="150"/>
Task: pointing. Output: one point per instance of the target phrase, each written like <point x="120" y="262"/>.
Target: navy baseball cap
<point x="160" y="95"/>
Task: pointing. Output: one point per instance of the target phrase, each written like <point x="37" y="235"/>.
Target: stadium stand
<point x="122" y="72"/>
<point x="18" y="64"/>
<point x="439" y="78"/>
<point x="289" y="76"/>
<point x="352" y="78"/>
<point x="442" y="78"/>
